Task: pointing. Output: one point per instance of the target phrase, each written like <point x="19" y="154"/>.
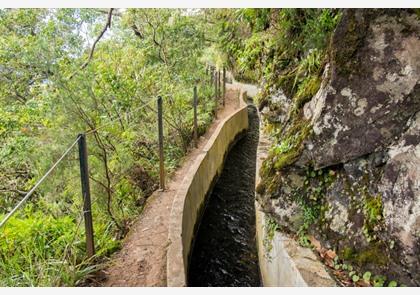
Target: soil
<point x="142" y="259"/>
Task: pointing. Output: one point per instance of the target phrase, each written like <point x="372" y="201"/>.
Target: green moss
<point x="373" y="209"/>
<point x="260" y="188"/>
<point x="417" y="10"/>
<point x="373" y="216"/>
<point x="307" y="90"/>
<point x="349" y="38"/>
<point x="281" y="156"/>
<point x="270" y="228"/>
<point x="373" y="254"/>
<point x="346" y="253"/>
<point x="322" y="216"/>
<point x="293" y="139"/>
<point x="286" y="159"/>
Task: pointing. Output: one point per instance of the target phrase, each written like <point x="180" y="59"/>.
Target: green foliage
<point x="372" y="254"/>
<point x="392" y="284"/>
<point x="379" y="280"/>
<point x="290" y="147"/>
<point x="283" y="46"/>
<point x="47" y="98"/>
<point x="32" y="248"/>
<point x="355" y="278"/>
<point x="287" y="51"/>
<point x="270" y="227"/>
<point x="367" y="275"/>
<point x="311" y="199"/>
<point x="372" y="208"/>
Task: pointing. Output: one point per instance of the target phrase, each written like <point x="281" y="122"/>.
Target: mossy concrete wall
<point x="283" y="263"/>
<point x="190" y="198"/>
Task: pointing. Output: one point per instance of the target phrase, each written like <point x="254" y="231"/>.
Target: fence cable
<point x="117" y="117"/>
<point x="10" y="214"/>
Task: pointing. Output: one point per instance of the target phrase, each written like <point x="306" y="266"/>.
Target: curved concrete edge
<point x="286" y="264"/>
<point x="190" y="198"/>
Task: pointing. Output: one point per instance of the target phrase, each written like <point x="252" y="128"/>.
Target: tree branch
<point x="92" y="50"/>
<point x="137" y="32"/>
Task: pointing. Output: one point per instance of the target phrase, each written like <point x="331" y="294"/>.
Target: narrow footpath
<point x="142" y="259"/>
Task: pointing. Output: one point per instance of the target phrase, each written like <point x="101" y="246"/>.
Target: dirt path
<point x="142" y="259"/>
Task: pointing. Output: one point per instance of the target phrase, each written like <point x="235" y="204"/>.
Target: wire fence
<point x="159" y="132"/>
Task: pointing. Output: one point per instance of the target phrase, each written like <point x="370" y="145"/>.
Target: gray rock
<point x="278" y="109"/>
<point x="400" y="188"/>
<point x="366" y="127"/>
<point x="364" y="106"/>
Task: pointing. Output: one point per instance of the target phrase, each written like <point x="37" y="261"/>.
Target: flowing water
<point x="225" y="252"/>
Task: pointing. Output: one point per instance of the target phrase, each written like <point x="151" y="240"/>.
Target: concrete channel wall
<point x="283" y="262"/>
<point x="190" y="198"/>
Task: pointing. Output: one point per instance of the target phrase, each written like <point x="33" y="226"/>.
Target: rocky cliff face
<point x="348" y="167"/>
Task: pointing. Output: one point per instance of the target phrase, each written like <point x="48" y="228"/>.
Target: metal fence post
<point x="224" y="85"/>
<point x="195" y="118"/>
<point x="218" y="84"/>
<point x="87" y="210"/>
<point x="161" y="159"/>
<point x="215" y="85"/>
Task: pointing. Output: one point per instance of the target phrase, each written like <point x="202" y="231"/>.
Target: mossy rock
<point x="375" y="255"/>
<point x="306" y="91"/>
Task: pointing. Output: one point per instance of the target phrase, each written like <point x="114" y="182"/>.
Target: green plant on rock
<point x="306" y="90"/>
<point x="373" y="212"/>
<point x="290" y="146"/>
<point x="310" y="213"/>
<point x="282" y="155"/>
<point x="356" y="276"/>
<point x="379" y="280"/>
<point x="311" y="200"/>
<point x="367" y="275"/>
<point x="270" y="227"/>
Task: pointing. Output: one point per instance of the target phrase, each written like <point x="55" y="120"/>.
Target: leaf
<point x="392" y="284"/>
<point x="355" y="278"/>
<point x="337" y="266"/>
<point x="367" y="275"/>
<point x="378" y="281"/>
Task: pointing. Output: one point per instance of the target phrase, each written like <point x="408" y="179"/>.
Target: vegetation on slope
<point x="54" y="84"/>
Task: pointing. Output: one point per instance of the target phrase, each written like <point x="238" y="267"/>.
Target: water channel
<point x="225" y="252"/>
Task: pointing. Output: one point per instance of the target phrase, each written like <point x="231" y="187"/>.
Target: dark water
<point x="225" y="252"/>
